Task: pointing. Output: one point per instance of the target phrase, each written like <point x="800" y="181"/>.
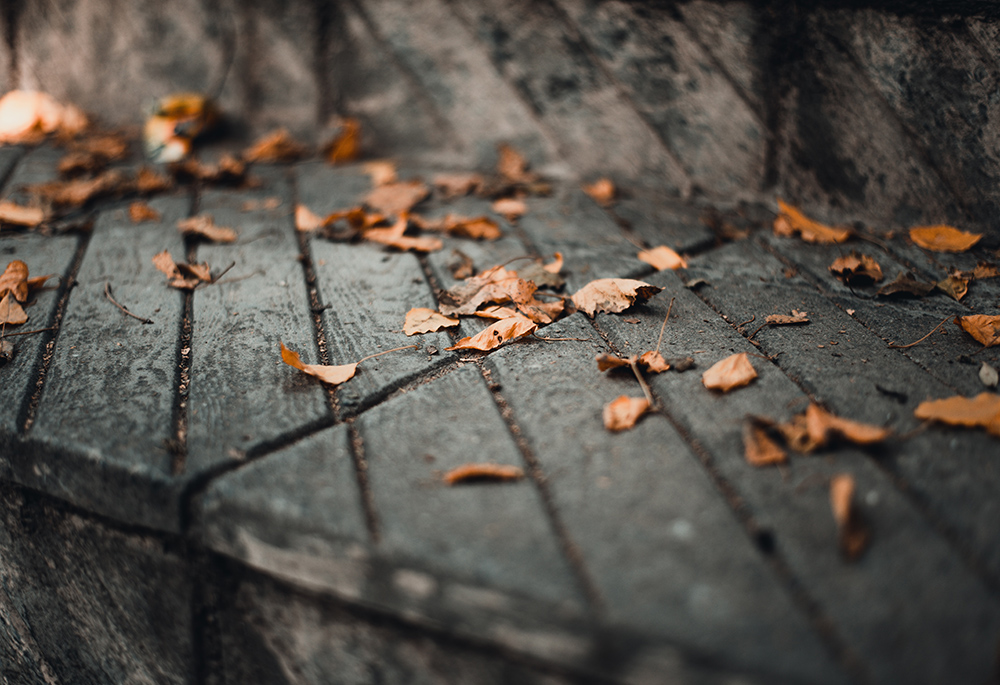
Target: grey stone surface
<point x="653" y="217"/>
<point x="122" y="420"/>
<point x="641" y="510"/>
<point x="9" y="156"/>
<point x="673" y="84"/>
<point x="242" y="395"/>
<point x="869" y="604"/>
<point x="842" y="365"/>
<point x="19" y="655"/>
<point x="98" y="604"/>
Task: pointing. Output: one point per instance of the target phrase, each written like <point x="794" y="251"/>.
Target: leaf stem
<point x="111" y="298"/>
<point x="379" y="354"/>
<point x="40" y="330"/>
<point x="903" y="347"/>
<point x="642" y="382"/>
<point x="664" y="324"/>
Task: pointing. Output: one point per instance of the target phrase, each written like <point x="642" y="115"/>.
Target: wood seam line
<point x="182" y="379"/>
<point x="796" y="589"/>
<point x="571" y="551"/>
<point x="29" y="408"/>
<point x="356" y="446"/>
<point x="20" y="155"/>
<point x="625" y="97"/>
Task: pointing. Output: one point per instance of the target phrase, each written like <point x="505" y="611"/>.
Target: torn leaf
<point x="856" y="269"/>
<point x="624" y="412"/>
<point x="982" y="327"/>
<point x="734" y="371"/>
<point x="422" y="320"/>
<point x="497" y="334"/>
<point x="333" y="375"/>
<point x="612" y="295"/>
<point x="943" y="238"/>
<point x="204" y="226"/>
<point x="662" y="258"/>
<point x="791" y="221"/>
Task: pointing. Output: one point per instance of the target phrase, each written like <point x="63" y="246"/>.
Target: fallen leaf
<point x="607" y="361"/>
<point x="852" y="532"/>
<point x="653" y="362"/>
<point x="139" y="212"/>
<point x="510" y="208"/>
<point x="943" y="238"/>
<point x="148" y="181"/>
<point x="276" y="146"/>
<point x="423" y="320"/>
<point x="732" y="372"/>
<point x="602" y="191"/>
<point x="396" y="198"/>
<point x="14" y="280"/>
<point x="791" y="221"/>
<point x="512" y="165"/>
<point x="555" y="266"/>
<point x="176" y="122"/>
<point x="482" y="472"/>
<point x="382" y="172"/>
<point x="824" y="427"/>
<point x="988" y="376"/>
<point x="497" y="334"/>
<point x="306" y="220"/>
<point x="612" y="295"/>
<point x="93" y="153"/>
<point x="496" y="312"/>
<point x="28" y="116"/>
<point x="623" y="413"/>
<point x="541" y="312"/>
<point x="461" y="265"/>
<point x="181" y="276"/>
<point x="79" y="192"/>
<point x="662" y="258"/>
<point x="856" y="269"/>
<point x="982" y="410"/>
<point x="11" y="213"/>
<point x="906" y="284"/>
<point x="227" y="171"/>
<point x="346" y="147"/>
<point x="759" y="449"/>
<point x="954" y="286"/>
<point x="982" y="327"/>
<point x="541" y="275"/>
<point x="795" y="318"/>
<point x="10" y="311"/>
<point x="496" y="285"/>
<point x="456" y="185"/>
<point x="204" y="226"/>
<point x="394" y="237"/>
<point x="267" y="203"/>
<point x="985" y="270"/>
<point x="477" y="227"/>
<point x="333" y="375"/>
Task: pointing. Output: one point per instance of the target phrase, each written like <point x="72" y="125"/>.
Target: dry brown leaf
<point x="227" y="171"/>
<point x="79" y="192"/>
<point x="662" y="258"/>
<point x="796" y="317"/>
<point x="204" y="226"/>
<point x="513" y="166"/>
<point x="759" y="448"/>
<point x="943" y="238"/>
<point x="422" y="320"/>
<point x="954" y="286"/>
<point x="653" y="362"/>
<point x="346" y="147"/>
<point x="179" y="119"/>
<point x="612" y="295"/>
<point x="496" y="285"/>
<point x="541" y="312"/>
<point x="394" y="237"/>
<point x="276" y="146"/>
<point x="456" y="185"/>
<point x="396" y="198"/>
<point x="268" y="203"/>
<point x="470" y="473"/>
<point x="11" y="312"/>
<point x="982" y="410"/>
<point x="905" y="284"/>
<point x="11" y="213"/>
<point x="149" y="181"/>
<point x="852" y="531"/>
<point x="496" y="312"/>
<point x="382" y="172"/>
<point x="28" y="116"/>
<point x="475" y="227"/>
<point x="14" y="280"/>
<point x="497" y="334"/>
<point x="556" y="265"/>
<point x="982" y="327"/>
<point x="138" y="212"/>
<point x="732" y="372"/>
<point x="606" y="361"/>
<point x="333" y="375"/>
<point x="791" y="221"/>
<point x="985" y="270"/>
<point x="602" y="191"/>
<point x="624" y="412"/>
<point x="181" y="276"/>
<point x="510" y="208"/>
<point x="306" y="220"/>
<point x="856" y="269"/>
<point x="823" y="427"/>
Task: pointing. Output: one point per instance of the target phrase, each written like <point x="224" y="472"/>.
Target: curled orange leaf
<point x="624" y="412"/>
<point x="943" y="238"/>
<point x="333" y="375"/>
<point x="982" y="327"/>
<point x="662" y="257"/>
<point x="497" y="334"/>
<point x="791" y="221"/>
<point x="469" y="473"/>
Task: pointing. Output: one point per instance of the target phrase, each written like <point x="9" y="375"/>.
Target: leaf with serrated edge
<point x="612" y="295"/>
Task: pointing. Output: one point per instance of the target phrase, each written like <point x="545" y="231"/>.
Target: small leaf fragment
<point x="204" y="226"/>
<point x="856" y="269"/>
<point x="396" y="198"/>
<point x="662" y="258"/>
<point x="823" y="427"/>
<point x="497" y="334"/>
<point x="139" y="212"/>
<point x="307" y="220"/>
<point x="795" y="318"/>
<point x="12" y="213"/>
<point x="988" y="376"/>
<point x="469" y="473"/>
<point x="612" y="295"/>
<point x="982" y="327"/>
<point x="346" y="147"/>
<point x="333" y="375"/>
<point x="982" y="410"/>
<point x="906" y="284"/>
<point x="623" y="412"/>
<point x="510" y="208"/>
<point x="606" y="361"/>
<point x="422" y="320"/>
<point x="734" y="371"/>
<point x="456" y="185"/>
<point x="943" y="238"/>
<point x="602" y="191"/>
<point x="11" y="311"/>
<point x="759" y="449"/>
<point x="852" y="531"/>
<point x="791" y="221"/>
<point x="276" y="146"/>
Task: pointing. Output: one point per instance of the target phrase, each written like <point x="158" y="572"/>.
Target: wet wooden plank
<point x="681" y="568"/>
<point x="242" y="395"/>
<point x="949" y="633"/>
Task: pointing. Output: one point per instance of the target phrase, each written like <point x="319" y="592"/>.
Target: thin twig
<point x="757" y="331"/>
<point x="538" y="337"/>
<point x="215" y="279"/>
<point x="642" y="381"/>
<point x="903" y="347"/>
<point x="750" y="320"/>
<point x="379" y="354"/>
<point x="40" y="330"/>
<point x="111" y="298"/>
<point x="664" y="324"/>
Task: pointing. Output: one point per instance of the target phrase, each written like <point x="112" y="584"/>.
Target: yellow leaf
<point x="422" y="320"/>
<point x="943" y="238"/>
<point x="732" y="372"/>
